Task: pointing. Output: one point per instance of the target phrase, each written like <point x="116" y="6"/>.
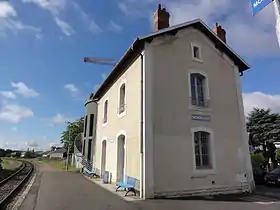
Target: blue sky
<point x="44" y="82"/>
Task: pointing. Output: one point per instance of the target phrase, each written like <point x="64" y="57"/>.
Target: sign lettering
<point x="201" y="117"/>
<point x="258" y="5"/>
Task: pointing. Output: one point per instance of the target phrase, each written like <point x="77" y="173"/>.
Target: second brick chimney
<point x="221" y="33"/>
<point x="161" y="18"/>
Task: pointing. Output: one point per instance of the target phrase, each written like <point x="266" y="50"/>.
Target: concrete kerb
<point x="112" y="188"/>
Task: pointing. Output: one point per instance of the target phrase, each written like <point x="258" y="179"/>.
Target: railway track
<point x="12" y="184"/>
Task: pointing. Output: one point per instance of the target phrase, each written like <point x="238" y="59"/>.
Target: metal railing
<point x="121" y="108"/>
<point x="87" y="163"/>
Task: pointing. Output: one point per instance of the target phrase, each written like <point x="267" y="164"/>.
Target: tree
<point x="16" y="154"/>
<point x="258" y="160"/>
<point x="30" y="154"/>
<point x="71" y="131"/>
<point x="264" y="129"/>
<point x="277" y="155"/>
<point x="8" y="152"/>
<point x="2" y="153"/>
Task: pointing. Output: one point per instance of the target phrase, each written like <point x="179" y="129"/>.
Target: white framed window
<point x="199" y="90"/>
<point x="203" y="150"/>
<point x="105" y="112"/>
<point x="196" y="52"/>
<point x="122" y="99"/>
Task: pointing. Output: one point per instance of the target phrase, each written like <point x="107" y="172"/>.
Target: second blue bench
<point x="128" y="183"/>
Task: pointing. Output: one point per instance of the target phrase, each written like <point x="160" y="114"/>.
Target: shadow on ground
<point x="230" y="198"/>
<point x="6" y="173"/>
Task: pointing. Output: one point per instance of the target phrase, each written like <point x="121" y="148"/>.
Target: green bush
<point x="257" y="159"/>
<point x="277" y="155"/>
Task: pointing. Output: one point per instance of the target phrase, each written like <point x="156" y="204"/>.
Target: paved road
<point x="58" y="190"/>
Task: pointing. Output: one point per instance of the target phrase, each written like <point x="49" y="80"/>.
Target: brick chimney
<point x="161" y="18"/>
<point x="221" y="33"/>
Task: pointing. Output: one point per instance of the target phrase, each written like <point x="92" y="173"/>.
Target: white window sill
<point x="197" y="60"/>
<point x="104" y="124"/>
<point x="122" y="114"/>
<point x="200" y="108"/>
<point x="201" y="173"/>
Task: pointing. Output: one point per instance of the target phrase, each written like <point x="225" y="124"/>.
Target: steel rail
<point x="11" y="185"/>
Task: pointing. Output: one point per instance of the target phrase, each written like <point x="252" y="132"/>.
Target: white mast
<point x="276" y="4"/>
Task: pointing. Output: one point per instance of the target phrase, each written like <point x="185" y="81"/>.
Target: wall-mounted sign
<point x="258" y="5"/>
<point x="199" y="117"/>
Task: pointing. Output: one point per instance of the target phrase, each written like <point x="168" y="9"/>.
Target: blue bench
<point x="128" y="183"/>
<point x="90" y="173"/>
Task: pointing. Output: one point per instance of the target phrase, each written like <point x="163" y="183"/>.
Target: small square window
<point x="196" y="52"/>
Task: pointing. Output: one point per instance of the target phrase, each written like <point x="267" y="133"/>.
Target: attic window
<point x="196" y="52"/>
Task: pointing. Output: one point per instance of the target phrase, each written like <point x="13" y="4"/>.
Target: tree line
<point x="16" y="153"/>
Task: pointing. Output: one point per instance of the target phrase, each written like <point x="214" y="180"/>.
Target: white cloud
<point x="72" y="88"/>
<point x="54" y="6"/>
<point x="7" y="10"/>
<point x="88" y="21"/>
<point x="8" y="21"/>
<point x="65" y="27"/>
<point x="246" y="34"/>
<point x="113" y="26"/>
<point x="261" y="100"/>
<point x="59" y="119"/>
<point x="14" y="113"/>
<point x="8" y="94"/>
<point x="15" y="26"/>
<point x="76" y="93"/>
<point x="54" y="144"/>
<point x="23" y="90"/>
<point x="17" y="142"/>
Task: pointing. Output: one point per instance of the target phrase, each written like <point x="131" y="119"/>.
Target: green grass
<point x="57" y="164"/>
<point x="10" y="164"/>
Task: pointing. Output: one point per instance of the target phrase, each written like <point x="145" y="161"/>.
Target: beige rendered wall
<point x="129" y="124"/>
<point x="170" y="64"/>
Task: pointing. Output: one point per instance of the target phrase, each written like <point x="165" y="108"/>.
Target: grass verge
<point x="10" y="164"/>
<point x="57" y="164"/>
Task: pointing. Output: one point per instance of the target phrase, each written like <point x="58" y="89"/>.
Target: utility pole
<point x="276" y="4"/>
<point x="69" y="145"/>
<point x="68" y="151"/>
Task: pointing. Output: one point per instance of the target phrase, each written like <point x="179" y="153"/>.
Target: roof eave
<point x="118" y="65"/>
<point x="241" y="63"/>
<point x="139" y="43"/>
